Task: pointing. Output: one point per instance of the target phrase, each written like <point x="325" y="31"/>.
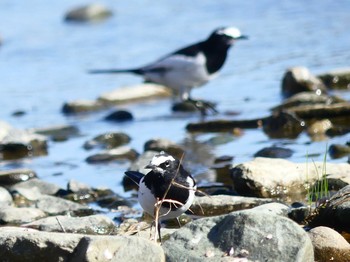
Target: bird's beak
<point x="149" y="166"/>
<point x="242" y="37"/>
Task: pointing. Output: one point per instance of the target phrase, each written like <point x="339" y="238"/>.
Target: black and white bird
<point x="188" y="67"/>
<point x="167" y="184"/>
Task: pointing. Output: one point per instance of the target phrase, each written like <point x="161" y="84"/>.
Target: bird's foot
<point x="191" y="105"/>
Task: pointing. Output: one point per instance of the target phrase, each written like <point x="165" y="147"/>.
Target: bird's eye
<point x="167" y="163"/>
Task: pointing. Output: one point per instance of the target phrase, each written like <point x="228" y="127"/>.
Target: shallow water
<point x="43" y="64"/>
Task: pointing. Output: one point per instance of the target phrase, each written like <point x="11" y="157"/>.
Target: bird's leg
<point x="159" y="235"/>
<point x="178" y="222"/>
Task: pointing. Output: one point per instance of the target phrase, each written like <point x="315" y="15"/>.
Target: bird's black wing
<point x="134" y="176"/>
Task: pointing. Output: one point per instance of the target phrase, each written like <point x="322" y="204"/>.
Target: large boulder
<point x="27" y="245"/>
<point x="267" y="177"/>
<point x="329" y="245"/>
<point x="335" y="212"/>
<point x="252" y="234"/>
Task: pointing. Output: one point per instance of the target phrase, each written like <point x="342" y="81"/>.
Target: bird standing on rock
<point x="167" y="186"/>
<point x="188" y="67"/>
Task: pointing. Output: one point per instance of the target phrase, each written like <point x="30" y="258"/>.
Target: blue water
<point x="43" y="64"/>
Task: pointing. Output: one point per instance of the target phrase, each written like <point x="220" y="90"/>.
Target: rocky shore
<point x="258" y="211"/>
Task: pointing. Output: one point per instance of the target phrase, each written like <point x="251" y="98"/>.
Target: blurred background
<point x="44" y="62"/>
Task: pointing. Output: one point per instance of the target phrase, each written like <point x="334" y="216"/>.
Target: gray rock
<point x="58" y="206"/>
<point x="44" y="188"/>
<point x="57" y="133"/>
<point x="5" y="198"/>
<point x="119" y="116"/>
<point x="27" y="245"/>
<point x="274" y="152"/>
<point x="16" y="143"/>
<point x="335" y="213"/>
<point x="92" y="12"/>
<point x="299" y="79"/>
<point x="329" y="245"/>
<point x="255" y="235"/>
<point x="91" y="225"/>
<point x="161" y="144"/>
<point x="117" y="154"/>
<point x="224" y="204"/>
<point x="332" y="112"/>
<point x="118" y="249"/>
<point x="82" y="106"/>
<point x="268" y="177"/>
<point x="30" y="194"/>
<point x="13" y="176"/>
<point x="18" y="216"/>
<point x="337" y="79"/>
<point x="338" y="151"/>
<point x="274" y="208"/>
<point x="108" y="140"/>
<point x="142" y="161"/>
<point x="223" y="125"/>
<point x="308" y="98"/>
<point x="134" y="93"/>
<point x="76" y="186"/>
<point x="283" y="125"/>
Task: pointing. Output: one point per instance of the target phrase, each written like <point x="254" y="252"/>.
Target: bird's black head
<point x="226" y="35"/>
<point x="162" y="163"/>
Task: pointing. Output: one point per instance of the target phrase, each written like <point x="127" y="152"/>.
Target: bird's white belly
<point x="148" y="201"/>
<point x="181" y="72"/>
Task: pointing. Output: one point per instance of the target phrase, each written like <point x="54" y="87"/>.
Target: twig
<point x="64" y="231"/>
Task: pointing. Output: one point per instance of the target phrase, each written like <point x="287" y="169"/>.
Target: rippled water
<point x="43" y="63"/>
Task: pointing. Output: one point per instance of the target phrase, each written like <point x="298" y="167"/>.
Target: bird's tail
<point x="134" y="176"/>
<point x="115" y="71"/>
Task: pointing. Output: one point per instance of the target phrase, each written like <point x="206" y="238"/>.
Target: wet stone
<point x="274" y="152"/>
<point x="13" y="176"/>
<point x="108" y="140"/>
<point x="317" y="130"/>
<point x="58" y="133"/>
<point x="339" y="151"/>
<point x="129" y="94"/>
<point x="337" y="131"/>
<point x="308" y="98"/>
<point x="123" y="153"/>
<point x="166" y="145"/>
<point x="184" y="106"/>
<point x="16" y="143"/>
<point x="119" y="116"/>
<point x="88" y="13"/>
<point x="337" y="79"/>
<point x="283" y="125"/>
<point x="299" y="79"/>
<point x="222" y="125"/>
<point x="82" y="106"/>
<point x="91" y="225"/>
<point x="334" y="111"/>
